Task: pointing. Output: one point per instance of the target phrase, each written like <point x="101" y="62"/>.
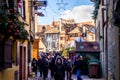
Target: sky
<point x="79" y="10"/>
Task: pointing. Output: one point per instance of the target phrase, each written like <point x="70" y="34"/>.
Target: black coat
<point x="39" y="64"/>
<point x="45" y="64"/>
<point x="78" y="64"/>
<point x="59" y="72"/>
<point x="34" y="65"/>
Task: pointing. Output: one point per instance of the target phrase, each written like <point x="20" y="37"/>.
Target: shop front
<point x="89" y="51"/>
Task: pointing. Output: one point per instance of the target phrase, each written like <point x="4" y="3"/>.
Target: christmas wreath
<point x="11" y="25"/>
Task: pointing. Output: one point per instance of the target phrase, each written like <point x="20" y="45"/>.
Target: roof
<point x="75" y="30"/>
<point x="70" y="21"/>
<point x="55" y="23"/>
<point x="39" y="28"/>
<point x="88" y="23"/>
<point x="53" y="30"/>
<point x="87" y="47"/>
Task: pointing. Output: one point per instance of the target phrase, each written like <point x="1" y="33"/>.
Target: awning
<point x="86" y="47"/>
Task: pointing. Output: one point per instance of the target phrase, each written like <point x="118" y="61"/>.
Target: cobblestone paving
<point x="73" y="77"/>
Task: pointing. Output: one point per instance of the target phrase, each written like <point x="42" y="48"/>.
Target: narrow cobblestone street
<point x="84" y="77"/>
<point x="59" y="39"/>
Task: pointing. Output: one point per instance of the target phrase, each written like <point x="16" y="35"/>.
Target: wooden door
<point x="22" y="66"/>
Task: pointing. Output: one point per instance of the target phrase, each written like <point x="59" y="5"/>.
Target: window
<point x="76" y="35"/>
<point x="21" y="8"/>
<point x="61" y="38"/>
<point x="53" y="36"/>
<point x="6" y="56"/>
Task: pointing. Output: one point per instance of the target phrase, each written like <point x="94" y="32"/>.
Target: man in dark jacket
<point x="45" y="66"/>
<point x="34" y="66"/>
<point x="78" y="63"/>
<point x="52" y="66"/>
<point x="40" y="65"/>
<point x="69" y="69"/>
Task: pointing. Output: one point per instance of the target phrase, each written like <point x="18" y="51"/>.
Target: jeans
<point x="78" y="74"/>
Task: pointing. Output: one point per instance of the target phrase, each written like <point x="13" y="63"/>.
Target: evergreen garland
<point x="11" y="25"/>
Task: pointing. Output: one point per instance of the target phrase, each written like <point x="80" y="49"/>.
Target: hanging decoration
<point x="61" y="5"/>
<point x="11" y="25"/>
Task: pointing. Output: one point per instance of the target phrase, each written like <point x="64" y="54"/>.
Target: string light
<point x="58" y="12"/>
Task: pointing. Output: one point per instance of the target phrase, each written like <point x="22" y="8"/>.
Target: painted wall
<point x="8" y="74"/>
<point x="0" y="76"/>
<point x="99" y="36"/>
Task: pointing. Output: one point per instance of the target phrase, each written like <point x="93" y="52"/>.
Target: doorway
<point x="22" y="66"/>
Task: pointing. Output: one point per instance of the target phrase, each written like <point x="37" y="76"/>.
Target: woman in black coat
<point x="59" y="69"/>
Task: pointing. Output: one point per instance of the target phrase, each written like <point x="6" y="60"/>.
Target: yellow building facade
<point x="14" y="72"/>
<point x="17" y="69"/>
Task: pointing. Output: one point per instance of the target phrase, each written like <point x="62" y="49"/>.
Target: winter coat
<point x="40" y="64"/>
<point x="59" y="71"/>
<point x="78" y="64"/>
<point x="45" y="64"/>
<point x="34" y="65"/>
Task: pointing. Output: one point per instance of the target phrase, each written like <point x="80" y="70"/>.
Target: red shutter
<point x="8" y="54"/>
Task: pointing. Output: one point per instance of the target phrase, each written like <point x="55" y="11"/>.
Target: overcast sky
<point x="80" y="10"/>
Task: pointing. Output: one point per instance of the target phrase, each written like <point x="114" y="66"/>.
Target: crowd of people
<point x="57" y="65"/>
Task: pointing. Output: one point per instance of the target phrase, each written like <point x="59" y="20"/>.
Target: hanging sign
<point x="40" y="3"/>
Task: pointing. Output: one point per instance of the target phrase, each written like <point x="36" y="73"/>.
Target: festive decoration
<point x="61" y="5"/>
<point x="11" y="25"/>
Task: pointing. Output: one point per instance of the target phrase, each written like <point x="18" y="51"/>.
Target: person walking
<point x="40" y="65"/>
<point x="45" y="66"/>
<point x="78" y="64"/>
<point x="69" y="69"/>
<point x="34" y="66"/>
<point x="59" y="69"/>
<point x="52" y="66"/>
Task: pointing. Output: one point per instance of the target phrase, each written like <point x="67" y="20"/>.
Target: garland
<point x="11" y="25"/>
